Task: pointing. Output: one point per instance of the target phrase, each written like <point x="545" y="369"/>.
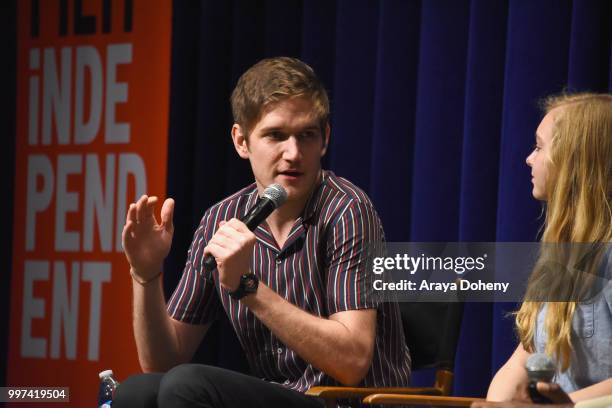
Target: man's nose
<point x="528" y="159"/>
<point x="292" y="149"/>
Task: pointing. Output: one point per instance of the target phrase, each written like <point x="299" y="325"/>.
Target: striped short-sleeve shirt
<point x="321" y="269"/>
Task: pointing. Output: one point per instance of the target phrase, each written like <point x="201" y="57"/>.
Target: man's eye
<point x="308" y="135"/>
<point x="275" y="135"/>
<point x="536" y="148"/>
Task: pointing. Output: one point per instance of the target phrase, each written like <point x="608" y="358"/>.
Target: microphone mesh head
<point x="275" y="193"/>
<point x="540" y="367"/>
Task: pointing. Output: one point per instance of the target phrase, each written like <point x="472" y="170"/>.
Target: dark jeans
<point x="196" y="385"/>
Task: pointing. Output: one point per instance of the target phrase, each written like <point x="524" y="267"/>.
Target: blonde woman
<point x="571" y="168"/>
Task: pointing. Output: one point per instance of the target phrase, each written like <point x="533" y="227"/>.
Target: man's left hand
<point x="232" y="246"/>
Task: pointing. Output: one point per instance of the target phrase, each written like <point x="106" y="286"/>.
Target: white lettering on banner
<point x="37" y="201"/>
<point x="65" y="312"/>
<point x="65" y="307"/>
<point x="66" y="202"/>
<point x="99" y="198"/>
<point x="99" y="202"/>
<point x="85" y="132"/>
<point x="96" y="273"/>
<point x="33" y="308"/>
<point x="57" y="95"/>
<point x="74" y="96"/>
<point x="116" y="92"/>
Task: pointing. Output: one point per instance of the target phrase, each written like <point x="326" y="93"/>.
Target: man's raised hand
<point x="145" y="241"/>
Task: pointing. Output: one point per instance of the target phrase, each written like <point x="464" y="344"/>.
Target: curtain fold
<point x="353" y="91"/>
<point x="479" y="175"/>
<point x="393" y="127"/>
<point x="434" y="109"/>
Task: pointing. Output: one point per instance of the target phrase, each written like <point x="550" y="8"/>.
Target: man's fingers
<point x="167" y="212"/>
<point x="131" y="214"/>
<point x="236" y="229"/>
<point x="128" y="232"/>
<point x="149" y="208"/>
<point x="232" y="238"/>
<point x="238" y="225"/>
<point x="226" y="231"/>
<point x="215" y="249"/>
<point x="140" y="205"/>
<point x="223" y="241"/>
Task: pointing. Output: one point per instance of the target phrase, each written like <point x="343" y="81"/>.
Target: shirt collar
<point x="311" y="204"/>
<point x="315" y="198"/>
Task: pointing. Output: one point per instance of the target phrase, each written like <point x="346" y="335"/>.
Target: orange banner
<point x="92" y="121"/>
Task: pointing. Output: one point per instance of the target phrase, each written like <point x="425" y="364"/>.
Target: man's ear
<point x="325" y="139"/>
<point x="240" y="141"/>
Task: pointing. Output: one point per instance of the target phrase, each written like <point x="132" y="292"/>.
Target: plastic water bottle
<point x="108" y="385"/>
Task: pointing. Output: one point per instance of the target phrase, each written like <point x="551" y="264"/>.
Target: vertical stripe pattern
<point x="321" y="269"/>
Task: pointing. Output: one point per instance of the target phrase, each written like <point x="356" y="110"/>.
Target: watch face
<point x="250" y="283"/>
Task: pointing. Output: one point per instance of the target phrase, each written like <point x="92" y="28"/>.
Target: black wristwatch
<point x="248" y="284"/>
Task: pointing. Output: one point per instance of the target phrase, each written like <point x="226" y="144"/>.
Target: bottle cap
<point x="105" y="373"/>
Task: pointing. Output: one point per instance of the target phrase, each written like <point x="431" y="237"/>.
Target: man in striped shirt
<point x="296" y="289"/>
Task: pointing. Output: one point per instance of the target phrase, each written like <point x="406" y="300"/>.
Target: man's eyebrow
<point x="280" y="128"/>
<point x="270" y="129"/>
<point x="312" y="127"/>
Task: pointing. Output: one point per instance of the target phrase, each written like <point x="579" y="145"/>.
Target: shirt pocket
<point x="584" y="320"/>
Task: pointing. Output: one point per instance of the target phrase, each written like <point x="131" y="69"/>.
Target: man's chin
<point x="293" y="193"/>
<point x="296" y="188"/>
<point x="296" y="194"/>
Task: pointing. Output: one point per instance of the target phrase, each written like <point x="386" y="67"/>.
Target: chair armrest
<point x="353" y="392"/>
<point x="398" y="399"/>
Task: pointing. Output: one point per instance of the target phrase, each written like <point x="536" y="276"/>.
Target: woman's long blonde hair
<point x="578" y="210"/>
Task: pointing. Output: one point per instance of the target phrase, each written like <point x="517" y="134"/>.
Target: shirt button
<point x="278" y="261"/>
<point x="279" y="350"/>
<point x="287" y="382"/>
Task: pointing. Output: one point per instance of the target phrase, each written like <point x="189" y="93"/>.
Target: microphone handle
<point x="259" y="212"/>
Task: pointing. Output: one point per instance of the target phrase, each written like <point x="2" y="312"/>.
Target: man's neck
<point x="282" y="219"/>
<point x="287" y="214"/>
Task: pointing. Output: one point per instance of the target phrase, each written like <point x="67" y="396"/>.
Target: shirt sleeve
<point x="195" y="299"/>
<point x="354" y="238"/>
<point x="607" y="274"/>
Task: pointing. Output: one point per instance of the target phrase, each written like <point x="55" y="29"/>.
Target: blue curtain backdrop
<point x="434" y="108"/>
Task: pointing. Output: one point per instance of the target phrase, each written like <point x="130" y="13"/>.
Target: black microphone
<point x="539" y="368"/>
<point x="273" y="197"/>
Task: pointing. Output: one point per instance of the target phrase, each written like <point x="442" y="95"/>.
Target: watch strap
<point x="248" y="284"/>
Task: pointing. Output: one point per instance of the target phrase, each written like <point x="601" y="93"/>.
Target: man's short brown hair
<point x="272" y="80"/>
